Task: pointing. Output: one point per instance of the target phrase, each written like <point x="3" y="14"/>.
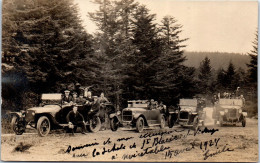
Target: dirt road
<point x="228" y="143"/>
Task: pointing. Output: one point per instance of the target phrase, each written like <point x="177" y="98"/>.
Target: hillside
<point x="218" y="59"/>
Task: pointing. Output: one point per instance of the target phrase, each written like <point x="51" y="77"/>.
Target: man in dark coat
<point x="75" y="119"/>
<point x="67" y="97"/>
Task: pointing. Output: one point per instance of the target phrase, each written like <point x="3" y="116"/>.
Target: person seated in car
<point x="75" y="119"/>
<point x="89" y="98"/>
<point x="81" y="100"/>
<point x="102" y="98"/>
<point x="67" y="99"/>
<point x="95" y="105"/>
<point x="74" y="97"/>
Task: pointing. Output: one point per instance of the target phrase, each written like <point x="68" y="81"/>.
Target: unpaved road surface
<point x="228" y="143"/>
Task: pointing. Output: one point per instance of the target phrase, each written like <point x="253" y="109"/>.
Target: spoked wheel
<point x="94" y="124"/>
<point x="17" y="127"/>
<point x="162" y="125"/>
<point x="43" y="126"/>
<point x="140" y="124"/>
<point x="114" y="124"/>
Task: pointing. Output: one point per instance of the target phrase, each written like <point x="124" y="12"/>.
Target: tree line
<point x="46" y="49"/>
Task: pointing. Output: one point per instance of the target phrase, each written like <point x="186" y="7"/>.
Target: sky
<point x="223" y="26"/>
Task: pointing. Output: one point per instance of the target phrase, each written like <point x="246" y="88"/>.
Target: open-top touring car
<point x="229" y="111"/>
<point x="50" y="115"/>
<point x="191" y="112"/>
<point x="139" y="114"/>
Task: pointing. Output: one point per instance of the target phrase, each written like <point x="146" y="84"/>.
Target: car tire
<point x="140" y="124"/>
<point x="43" y="126"/>
<point x="114" y="124"/>
<point x="94" y="124"/>
<point x="162" y="122"/>
<point x="15" y="126"/>
<point x="244" y="122"/>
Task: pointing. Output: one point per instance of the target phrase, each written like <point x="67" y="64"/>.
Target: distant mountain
<point x="217" y="59"/>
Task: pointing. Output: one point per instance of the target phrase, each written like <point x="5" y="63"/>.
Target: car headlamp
<point x="226" y="110"/>
<point x="240" y="111"/>
<point x="118" y="112"/>
<point x="33" y="113"/>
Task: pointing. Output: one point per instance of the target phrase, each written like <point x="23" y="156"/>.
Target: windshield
<point x="238" y="102"/>
<point x="137" y="104"/>
<point x="188" y="102"/>
<point x="52" y="98"/>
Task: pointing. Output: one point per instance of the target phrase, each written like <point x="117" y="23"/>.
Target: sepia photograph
<point x="129" y="81"/>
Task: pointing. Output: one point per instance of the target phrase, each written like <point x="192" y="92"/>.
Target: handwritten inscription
<point x="208" y="154"/>
<point x="154" y="143"/>
<point x="80" y="147"/>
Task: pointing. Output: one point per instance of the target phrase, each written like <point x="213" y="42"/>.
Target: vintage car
<point x="139" y="114"/>
<point x="229" y="111"/>
<point x="50" y="115"/>
<point x="191" y="113"/>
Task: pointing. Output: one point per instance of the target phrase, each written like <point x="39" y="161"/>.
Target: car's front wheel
<point x="114" y="124"/>
<point x="140" y="124"/>
<point x="94" y="124"/>
<point x="43" y="126"/>
<point x="17" y="127"/>
<point x="162" y="125"/>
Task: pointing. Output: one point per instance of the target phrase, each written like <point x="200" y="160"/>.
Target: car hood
<point x="46" y="109"/>
<point x="229" y="107"/>
<point x="135" y="109"/>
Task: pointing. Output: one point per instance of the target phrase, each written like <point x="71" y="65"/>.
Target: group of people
<point x="74" y="118"/>
<point x="226" y="95"/>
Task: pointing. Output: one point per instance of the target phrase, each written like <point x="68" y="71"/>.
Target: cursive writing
<point x="80" y="147"/>
<point x="207" y="154"/>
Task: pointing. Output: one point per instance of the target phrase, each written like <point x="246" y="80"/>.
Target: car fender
<point x="244" y="114"/>
<point x="137" y="115"/>
<point x="18" y="114"/>
<point x="222" y="113"/>
<point x="113" y="115"/>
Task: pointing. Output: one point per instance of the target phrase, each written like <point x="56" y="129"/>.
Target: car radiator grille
<point x="127" y="115"/>
<point x="28" y="116"/>
<point x="184" y="115"/>
<point x="232" y="112"/>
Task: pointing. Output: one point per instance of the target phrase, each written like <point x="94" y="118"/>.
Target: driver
<point x="67" y="97"/>
<point x="75" y="119"/>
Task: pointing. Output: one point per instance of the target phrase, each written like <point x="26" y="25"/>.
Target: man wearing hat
<point x="74" y="97"/>
<point x="67" y="97"/>
<point x="81" y="100"/>
<point x="75" y="119"/>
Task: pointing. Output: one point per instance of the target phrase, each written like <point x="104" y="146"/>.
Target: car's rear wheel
<point x="114" y="124"/>
<point x="244" y="122"/>
<point x="140" y="124"/>
<point x="94" y="124"/>
<point x="162" y="124"/>
<point x="43" y="126"/>
<point x="16" y="127"/>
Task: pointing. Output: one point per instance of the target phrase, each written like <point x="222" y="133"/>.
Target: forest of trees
<point x="46" y="49"/>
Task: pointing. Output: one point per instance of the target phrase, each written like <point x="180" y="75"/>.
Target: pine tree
<point x="253" y="62"/>
<point x="230" y="77"/>
<point x="205" y="75"/>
